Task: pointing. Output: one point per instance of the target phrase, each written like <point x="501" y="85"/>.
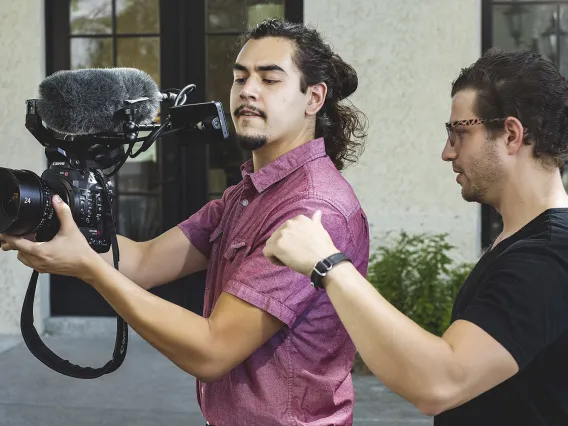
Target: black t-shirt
<point x="518" y="293"/>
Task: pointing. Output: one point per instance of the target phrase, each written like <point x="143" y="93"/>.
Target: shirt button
<point x="245" y="203"/>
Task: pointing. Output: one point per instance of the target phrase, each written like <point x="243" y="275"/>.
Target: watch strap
<point x="322" y="268"/>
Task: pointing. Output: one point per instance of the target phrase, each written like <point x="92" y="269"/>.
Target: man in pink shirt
<point x="269" y="348"/>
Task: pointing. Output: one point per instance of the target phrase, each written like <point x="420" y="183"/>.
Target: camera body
<point x="80" y="189"/>
<point x="26" y="202"/>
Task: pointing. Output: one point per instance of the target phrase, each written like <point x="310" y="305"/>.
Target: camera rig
<point x="84" y="159"/>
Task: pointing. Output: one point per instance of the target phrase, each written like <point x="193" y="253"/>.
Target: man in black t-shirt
<point x="518" y="294"/>
<point x="504" y="359"/>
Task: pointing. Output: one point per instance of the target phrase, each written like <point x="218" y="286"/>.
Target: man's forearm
<point x="130" y="254"/>
<point x="179" y="334"/>
<point x="409" y="360"/>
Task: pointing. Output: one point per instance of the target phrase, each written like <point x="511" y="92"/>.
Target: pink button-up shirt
<point x="302" y="375"/>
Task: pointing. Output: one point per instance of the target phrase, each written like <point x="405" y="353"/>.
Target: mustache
<point x="239" y="110"/>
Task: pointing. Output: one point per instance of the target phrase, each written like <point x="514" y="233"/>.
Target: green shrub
<point x="417" y="275"/>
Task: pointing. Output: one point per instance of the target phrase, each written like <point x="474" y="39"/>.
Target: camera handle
<point x="47" y="356"/>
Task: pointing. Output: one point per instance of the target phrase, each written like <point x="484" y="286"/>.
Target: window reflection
<point x="91" y="53"/>
<point x="137" y="16"/>
<point x="91" y="16"/>
<point x="142" y="53"/>
<point x="226" y="15"/>
<point x="258" y="11"/>
<point x="519" y="26"/>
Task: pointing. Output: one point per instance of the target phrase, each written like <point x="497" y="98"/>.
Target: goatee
<point x="250" y="143"/>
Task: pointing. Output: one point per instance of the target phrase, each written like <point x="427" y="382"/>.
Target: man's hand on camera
<point x="68" y="253"/>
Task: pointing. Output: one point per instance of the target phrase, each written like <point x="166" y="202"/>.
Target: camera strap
<point x="47" y="356"/>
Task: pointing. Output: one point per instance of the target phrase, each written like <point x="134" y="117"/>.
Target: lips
<point x="249" y="111"/>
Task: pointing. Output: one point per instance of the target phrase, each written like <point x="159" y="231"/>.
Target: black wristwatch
<point x="324" y="266"/>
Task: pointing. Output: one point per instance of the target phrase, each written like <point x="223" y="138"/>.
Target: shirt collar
<point x="284" y="165"/>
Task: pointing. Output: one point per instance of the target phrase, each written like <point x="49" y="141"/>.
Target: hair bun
<point x="346" y="81"/>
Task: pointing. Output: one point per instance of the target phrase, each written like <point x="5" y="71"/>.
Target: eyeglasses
<point x="464" y="123"/>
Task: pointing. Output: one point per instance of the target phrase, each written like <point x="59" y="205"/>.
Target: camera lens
<point x="10" y="205"/>
<point x="23" y="201"/>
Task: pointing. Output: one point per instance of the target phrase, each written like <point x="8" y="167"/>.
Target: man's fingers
<point x="63" y="212"/>
<point x="18" y="243"/>
<point x="317" y="217"/>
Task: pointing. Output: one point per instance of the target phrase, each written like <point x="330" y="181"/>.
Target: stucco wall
<point x="407" y="53"/>
<point x="22" y="68"/>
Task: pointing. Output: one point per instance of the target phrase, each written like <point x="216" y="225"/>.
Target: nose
<point x="449" y="152"/>
<point x="250" y="90"/>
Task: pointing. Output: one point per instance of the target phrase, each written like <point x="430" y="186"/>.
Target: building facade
<point x="406" y="53"/>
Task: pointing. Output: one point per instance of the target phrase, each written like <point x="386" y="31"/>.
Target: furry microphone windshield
<point x="86" y="101"/>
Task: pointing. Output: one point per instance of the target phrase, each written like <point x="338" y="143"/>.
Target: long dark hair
<point x="341" y="124"/>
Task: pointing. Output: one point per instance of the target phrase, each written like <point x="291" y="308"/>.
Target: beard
<point x="250" y="142"/>
<point x="482" y="176"/>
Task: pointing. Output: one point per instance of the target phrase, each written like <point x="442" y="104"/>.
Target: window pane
<point x="139" y="176"/>
<point x="226" y="15"/>
<point x="142" y="53"/>
<point x="221" y="52"/>
<point x="524" y="26"/>
<point x="258" y="11"/>
<point x="91" y="53"/>
<point x="91" y="16"/>
<point x="137" y="16"/>
<point x="139" y="216"/>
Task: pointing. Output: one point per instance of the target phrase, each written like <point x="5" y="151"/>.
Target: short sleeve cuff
<point x="198" y="238"/>
<point x="492" y="324"/>
<point x="261" y="301"/>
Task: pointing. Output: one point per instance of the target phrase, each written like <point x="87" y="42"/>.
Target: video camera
<point x="79" y="171"/>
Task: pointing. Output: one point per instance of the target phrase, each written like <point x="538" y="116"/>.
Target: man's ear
<point x="515" y="133"/>
<point x="316" y="98"/>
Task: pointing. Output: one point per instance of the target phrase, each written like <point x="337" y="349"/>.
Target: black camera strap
<point x="47" y="356"/>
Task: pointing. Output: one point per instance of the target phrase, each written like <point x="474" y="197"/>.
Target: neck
<point x="526" y="196"/>
<point x="276" y="148"/>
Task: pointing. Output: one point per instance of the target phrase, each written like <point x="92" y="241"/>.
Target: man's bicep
<point x="237" y="330"/>
<point x="479" y="362"/>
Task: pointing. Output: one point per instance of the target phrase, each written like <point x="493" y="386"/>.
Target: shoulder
<point x="328" y="185"/>
<point x="536" y="262"/>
